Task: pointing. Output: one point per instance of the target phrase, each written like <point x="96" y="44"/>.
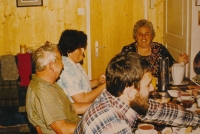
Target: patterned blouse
<point x="157" y="50"/>
<point x="73" y="79"/>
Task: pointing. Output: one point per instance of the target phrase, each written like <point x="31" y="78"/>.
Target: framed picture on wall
<point x="28" y="3"/>
<point x="199" y="18"/>
<point x="197" y="2"/>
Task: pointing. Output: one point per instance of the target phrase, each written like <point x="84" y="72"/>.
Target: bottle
<point x="22" y="48"/>
<point x="163" y="76"/>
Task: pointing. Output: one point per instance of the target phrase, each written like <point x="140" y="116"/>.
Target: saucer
<point x="183" y="83"/>
<point x="194" y="80"/>
<point x="179" y="99"/>
<point x="173" y="93"/>
<point x="154" y="132"/>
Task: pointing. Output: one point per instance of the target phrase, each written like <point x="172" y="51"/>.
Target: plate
<point x="163" y="100"/>
<point x="178" y="99"/>
<point x="183" y="83"/>
<point x="194" y="80"/>
<point x="173" y="93"/>
<point x="154" y="132"/>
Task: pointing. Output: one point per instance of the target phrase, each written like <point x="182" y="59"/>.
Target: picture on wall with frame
<point x="29" y="3"/>
<point x="199" y="18"/>
<point x="197" y="2"/>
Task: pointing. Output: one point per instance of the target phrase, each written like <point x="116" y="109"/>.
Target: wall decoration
<point x="28" y="3"/>
<point x="199" y="18"/>
<point x="197" y="2"/>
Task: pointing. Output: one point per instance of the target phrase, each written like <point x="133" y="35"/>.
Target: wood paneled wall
<point x="34" y="25"/>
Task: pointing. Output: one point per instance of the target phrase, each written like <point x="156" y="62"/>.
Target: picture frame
<point x="199" y="18"/>
<point x="29" y="3"/>
<point x="197" y="2"/>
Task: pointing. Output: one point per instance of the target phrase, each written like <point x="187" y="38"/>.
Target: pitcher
<point x="178" y="73"/>
<point x="163" y="77"/>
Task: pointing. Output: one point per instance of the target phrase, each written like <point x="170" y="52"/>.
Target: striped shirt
<point x="47" y="103"/>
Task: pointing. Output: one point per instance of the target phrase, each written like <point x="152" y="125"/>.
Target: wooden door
<point x="111" y="27"/>
<point x="176" y="28"/>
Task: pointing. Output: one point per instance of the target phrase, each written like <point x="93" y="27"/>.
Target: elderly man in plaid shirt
<point x="128" y="82"/>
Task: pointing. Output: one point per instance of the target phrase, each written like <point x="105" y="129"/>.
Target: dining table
<point x="188" y="85"/>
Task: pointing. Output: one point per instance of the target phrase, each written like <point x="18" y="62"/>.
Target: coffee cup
<point x="198" y="100"/>
<point x="146" y="128"/>
<point x="178" y="72"/>
<point x="187" y="100"/>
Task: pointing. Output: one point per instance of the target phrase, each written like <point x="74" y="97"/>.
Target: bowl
<point x="173" y="93"/>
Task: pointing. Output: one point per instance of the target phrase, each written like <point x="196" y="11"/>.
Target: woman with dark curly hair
<point x="73" y="78"/>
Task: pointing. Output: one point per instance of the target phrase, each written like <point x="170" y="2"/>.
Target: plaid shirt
<point x="170" y="114"/>
<point x="109" y="115"/>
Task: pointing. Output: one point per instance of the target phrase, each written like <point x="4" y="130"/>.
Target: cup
<point x="146" y="128"/>
<point x="178" y="72"/>
<point x="187" y="100"/>
<point x="198" y="100"/>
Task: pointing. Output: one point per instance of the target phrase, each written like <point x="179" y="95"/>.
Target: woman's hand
<point x="183" y="57"/>
<point x="102" y="79"/>
<point x="97" y="82"/>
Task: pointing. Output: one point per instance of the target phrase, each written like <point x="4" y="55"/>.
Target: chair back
<point x="39" y="131"/>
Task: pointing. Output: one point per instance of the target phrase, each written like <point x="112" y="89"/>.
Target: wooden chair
<point x="38" y="130"/>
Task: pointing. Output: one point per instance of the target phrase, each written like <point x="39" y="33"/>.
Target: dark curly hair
<point x="70" y="40"/>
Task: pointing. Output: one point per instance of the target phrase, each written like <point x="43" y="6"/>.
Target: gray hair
<point x="143" y="23"/>
<point x="44" y="55"/>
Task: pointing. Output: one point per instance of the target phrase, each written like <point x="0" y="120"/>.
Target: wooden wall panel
<point x="111" y="25"/>
<point x="34" y="25"/>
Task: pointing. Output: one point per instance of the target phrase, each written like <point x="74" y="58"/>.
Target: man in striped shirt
<point x="46" y="103"/>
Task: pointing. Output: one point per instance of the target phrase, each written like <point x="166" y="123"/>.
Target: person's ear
<point x="131" y="92"/>
<point x="51" y="66"/>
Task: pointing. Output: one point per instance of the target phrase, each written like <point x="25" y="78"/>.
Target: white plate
<point x="183" y="83"/>
<point x="173" y="93"/>
<point x="194" y="80"/>
<point x="163" y="100"/>
<point x="179" y="99"/>
<point x="154" y="132"/>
